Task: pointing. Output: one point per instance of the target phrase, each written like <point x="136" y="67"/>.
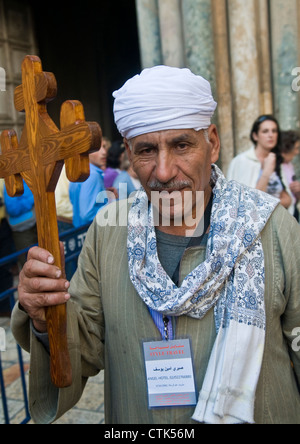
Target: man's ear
<point x="128" y="149"/>
<point x="214" y="140"/>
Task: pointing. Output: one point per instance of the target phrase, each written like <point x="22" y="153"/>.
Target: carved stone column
<point x="171" y="33"/>
<point x="223" y="82"/>
<point x="245" y="70"/>
<point x="149" y="33"/>
<point x="198" y="38"/>
<point x="284" y="24"/>
<point x="264" y="51"/>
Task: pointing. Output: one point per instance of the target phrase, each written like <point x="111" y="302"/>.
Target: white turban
<point x="163" y="98"/>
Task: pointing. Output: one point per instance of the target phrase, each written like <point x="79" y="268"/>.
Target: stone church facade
<point x="248" y="49"/>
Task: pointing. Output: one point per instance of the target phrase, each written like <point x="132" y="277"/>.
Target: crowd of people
<point x="228" y="296"/>
<point x="267" y="166"/>
<point x="233" y="291"/>
<point x="76" y="205"/>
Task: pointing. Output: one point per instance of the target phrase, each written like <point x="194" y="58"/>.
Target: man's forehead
<point x="166" y="135"/>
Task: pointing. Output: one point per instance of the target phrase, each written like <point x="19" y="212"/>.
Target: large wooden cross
<point x="38" y="159"/>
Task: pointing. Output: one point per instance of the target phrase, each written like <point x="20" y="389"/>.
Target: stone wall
<point x="246" y="49"/>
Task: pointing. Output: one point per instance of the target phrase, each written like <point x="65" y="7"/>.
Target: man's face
<point x="99" y="158"/>
<point x="174" y="161"/>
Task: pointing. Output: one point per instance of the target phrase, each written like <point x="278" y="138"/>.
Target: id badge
<point x="170" y="374"/>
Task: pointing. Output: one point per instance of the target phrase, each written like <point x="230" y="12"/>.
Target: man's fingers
<point x="43" y="284"/>
<point x="33" y="268"/>
<point x="41" y="263"/>
<point x="41" y="255"/>
<point x="36" y="306"/>
<point x="51" y="299"/>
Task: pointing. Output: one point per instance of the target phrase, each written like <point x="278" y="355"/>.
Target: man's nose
<point x="166" y="168"/>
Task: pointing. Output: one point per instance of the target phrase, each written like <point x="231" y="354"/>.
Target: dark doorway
<point x="92" y="48"/>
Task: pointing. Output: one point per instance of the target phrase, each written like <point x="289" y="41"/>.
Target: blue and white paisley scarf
<point x="232" y="280"/>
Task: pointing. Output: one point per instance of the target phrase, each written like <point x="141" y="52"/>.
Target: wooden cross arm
<point x="38" y="159"/>
<point x="13" y="159"/>
<point x="45" y="88"/>
<point x="85" y="138"/>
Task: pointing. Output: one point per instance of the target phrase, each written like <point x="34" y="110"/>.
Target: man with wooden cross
<point x="164" y="311"/>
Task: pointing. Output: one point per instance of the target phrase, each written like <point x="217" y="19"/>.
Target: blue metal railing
<point x="73" y="241"/>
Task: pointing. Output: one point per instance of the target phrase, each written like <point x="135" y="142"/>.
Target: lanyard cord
<point x="196" y="241"/>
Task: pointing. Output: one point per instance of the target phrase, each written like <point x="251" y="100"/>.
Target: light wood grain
<point x="38" y="159"/>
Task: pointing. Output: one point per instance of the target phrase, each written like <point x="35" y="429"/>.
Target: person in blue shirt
<point x="21" y="218"/>
<point x="127" y="181"/>
<point x="20" y="209"/>
<point x="85" y="196"/>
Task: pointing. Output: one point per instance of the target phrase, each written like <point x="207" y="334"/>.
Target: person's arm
<point x="289" y="237"/>
<point x="295" y="189"/>
<point x="42" y="285"/>
<point x="15" y="206"/>
<point x="285" y="199"/>
<point x="268" y="169"/>
<point x="89" y="200"/>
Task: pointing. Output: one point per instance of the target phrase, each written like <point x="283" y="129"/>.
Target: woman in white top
<point x="260" y="167"/>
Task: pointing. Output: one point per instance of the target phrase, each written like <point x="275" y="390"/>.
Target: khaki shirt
<point x="108" y="321"/>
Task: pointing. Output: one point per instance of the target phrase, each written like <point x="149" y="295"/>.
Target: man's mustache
<point x="156" y="185"/>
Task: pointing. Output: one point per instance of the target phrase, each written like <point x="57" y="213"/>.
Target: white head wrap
<point x="163" y="98"/>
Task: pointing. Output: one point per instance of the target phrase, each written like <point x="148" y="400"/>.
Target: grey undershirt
<point x="171" y="249"/>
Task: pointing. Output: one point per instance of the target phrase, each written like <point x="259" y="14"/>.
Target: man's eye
<point x="147" y="151"/>
<point x="182" y="146"/>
